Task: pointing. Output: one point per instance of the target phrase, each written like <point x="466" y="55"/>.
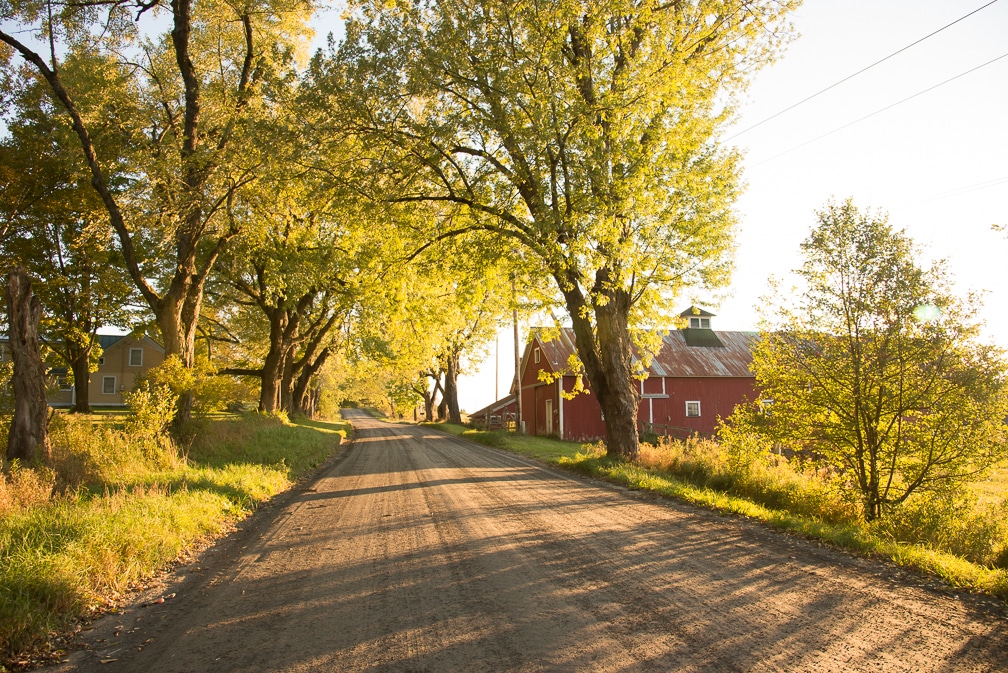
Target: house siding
<point x="116" y="362"/>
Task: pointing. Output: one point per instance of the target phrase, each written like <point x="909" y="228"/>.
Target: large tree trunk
<point x="451" y="388"/>
<point x="442" y="405"/>
<point x="80" y="366"/>
<point x="608" y="362"/>
<point x="28" y="439"/>
<point x="429" y="397"/>
<point x="302" y="398"/>
<point x="302" y="370"/>
<point x="175" y="335"/>
<point x="269" y="391"/>
<point x="273" y="363"/>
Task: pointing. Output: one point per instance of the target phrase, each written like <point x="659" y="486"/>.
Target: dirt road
<point x="422" y="552"/>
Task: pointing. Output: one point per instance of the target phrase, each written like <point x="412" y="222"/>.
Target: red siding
<point x="535" y="392"/>
<point x="717" y="396"/>
<point x="582" y="416"/>
<point x="664" y="414"/>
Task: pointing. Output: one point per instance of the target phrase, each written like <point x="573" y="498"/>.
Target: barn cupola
<point x="697" y="318"/>
<point x="698" y="330"/>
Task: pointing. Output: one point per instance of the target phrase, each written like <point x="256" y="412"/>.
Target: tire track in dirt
<point x="421" y="552"/>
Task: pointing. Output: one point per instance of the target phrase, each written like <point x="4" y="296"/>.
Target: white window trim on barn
<point x="662" y="395"/>
<point x="693" y="402"/>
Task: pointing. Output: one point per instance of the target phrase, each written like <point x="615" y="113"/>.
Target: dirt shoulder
<point x="416" y="551"/>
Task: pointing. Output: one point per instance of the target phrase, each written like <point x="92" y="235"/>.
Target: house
<point x="697" y="376"/>
<point x="123" y="358"/>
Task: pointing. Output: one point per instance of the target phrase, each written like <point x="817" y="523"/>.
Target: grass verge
<point x="112" y="512"/>
<point x="852" y="536"/>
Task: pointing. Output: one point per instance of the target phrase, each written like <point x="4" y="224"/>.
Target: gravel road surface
<point x="416" y="551"/>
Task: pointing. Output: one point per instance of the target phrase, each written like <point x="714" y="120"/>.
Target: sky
<point x="937" y="163"/>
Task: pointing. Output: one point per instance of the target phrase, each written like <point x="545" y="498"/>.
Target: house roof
<point x="499" y="404"/>
<point x="728" y="354"/>
<point x="106" y="340"/>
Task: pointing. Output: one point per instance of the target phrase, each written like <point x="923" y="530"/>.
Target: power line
<point x="866" y="68"/>
<point x="881" y="110"/>
<point x="958" y="191"/>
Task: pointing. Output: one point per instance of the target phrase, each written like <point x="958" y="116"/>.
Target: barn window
<point x="537" y="356"/>
<point x="699" y="323"/>
<point x="136" y="357"/>
<point x="108" y="385"/>
<point x="693" y="408"/>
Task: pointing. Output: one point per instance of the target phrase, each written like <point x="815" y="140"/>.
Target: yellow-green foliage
<point x="114" y="507"/>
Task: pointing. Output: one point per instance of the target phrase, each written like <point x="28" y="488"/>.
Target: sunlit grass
<point x="993" y="487"/>
<point x="113" y="511"/>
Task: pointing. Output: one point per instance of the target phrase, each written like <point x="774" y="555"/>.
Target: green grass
<point x="994" y="486"/>
<point x="839" y="530"/>
<point x="123" y="510"/>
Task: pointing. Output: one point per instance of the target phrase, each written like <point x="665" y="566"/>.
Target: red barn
<point x="697" y="376"/>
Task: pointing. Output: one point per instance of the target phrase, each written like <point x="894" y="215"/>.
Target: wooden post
<point x="517" y="357"/>
<point x="29" y="438"/>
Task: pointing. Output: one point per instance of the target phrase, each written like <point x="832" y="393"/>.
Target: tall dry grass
<point x="757" y="475"/>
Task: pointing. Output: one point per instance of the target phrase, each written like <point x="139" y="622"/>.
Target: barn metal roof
<point x="676" y="358"/>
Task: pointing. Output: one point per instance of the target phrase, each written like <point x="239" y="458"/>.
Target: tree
<point x="581" y="132"/>
<point x="53" y="224"/>
<point x="29" y="431"/>
<point x="190" y="106"/>
<point x="878" y="369"/>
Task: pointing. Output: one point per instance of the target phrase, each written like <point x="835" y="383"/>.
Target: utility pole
<point x="517" y="354"/>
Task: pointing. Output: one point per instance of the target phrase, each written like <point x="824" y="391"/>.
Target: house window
<point x="101" y="360"/>
<point x="693" y="409"/>
<point x="699" y="323"/>
<point x="108" y="385"/>
<point x="136" y="357"/>
<point x="536" y="356"/>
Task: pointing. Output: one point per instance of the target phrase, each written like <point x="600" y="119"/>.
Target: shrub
<point x="950" y="522"/>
